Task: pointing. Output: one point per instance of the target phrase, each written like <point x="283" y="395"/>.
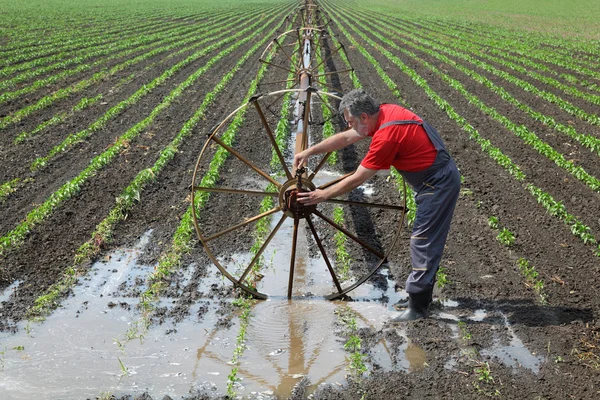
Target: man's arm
<point x="332" y="143"/>
<point x="344" y="186"/>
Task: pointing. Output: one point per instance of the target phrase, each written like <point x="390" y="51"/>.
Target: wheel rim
<point x="282" y="212"/>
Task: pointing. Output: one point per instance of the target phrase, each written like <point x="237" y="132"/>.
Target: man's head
<point x="360" y="111"/>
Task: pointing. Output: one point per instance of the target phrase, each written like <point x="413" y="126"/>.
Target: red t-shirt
<point x="406" y="147"/>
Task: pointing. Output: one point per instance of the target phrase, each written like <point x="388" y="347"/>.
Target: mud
<point x="488" y="334"/>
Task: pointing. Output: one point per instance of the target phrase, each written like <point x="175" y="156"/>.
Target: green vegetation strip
<point x="183" y="238"/>
<point x="527" y="51"/>
<point x="8" y="188"/>
<point x="521" y="131"/>
<point x="127" y="199"/>
<point x="356" y="360"/>
<point x="209" y="34"/>
<point x="532" y="278"/>
<point x="245" y="305"/>
<point x="528" y="87"/>
<point x="82" y="55"/>
<point x="181" y="34"/>
<point x="589" y="141"/>
<point x="15" y="237"/>
<point x="116" y="110"/>
<point x="58" y="118"/>
<point x="40" y="54"/>
<point x="552" y="206"/>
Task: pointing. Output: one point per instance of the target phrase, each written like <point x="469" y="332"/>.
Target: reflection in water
<point x="416" y="357"/>
<point x="73" y="354"/>
<point x="288" y="340"/>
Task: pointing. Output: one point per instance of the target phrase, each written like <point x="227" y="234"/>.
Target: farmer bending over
<point x="403" y="140"/>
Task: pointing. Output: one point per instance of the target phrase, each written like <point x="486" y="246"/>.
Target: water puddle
<point x="74" y="353"/>
<point x="515" y="354"/>
<point x="8" y="291"/>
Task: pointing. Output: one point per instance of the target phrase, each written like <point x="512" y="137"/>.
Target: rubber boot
<point x="403" y="304"/>
<point x="417" y="307"/>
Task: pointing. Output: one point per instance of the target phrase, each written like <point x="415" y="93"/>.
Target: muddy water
<point x="74" y="353"/>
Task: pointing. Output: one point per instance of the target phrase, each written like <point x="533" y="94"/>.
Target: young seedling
<point x="493" y="222"/>
<point x="506" y="237"/>
<point x="441" y="277"/>
<point x="466" y="335"/>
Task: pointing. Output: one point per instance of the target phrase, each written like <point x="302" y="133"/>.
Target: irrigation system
<point x="294" y="51"/>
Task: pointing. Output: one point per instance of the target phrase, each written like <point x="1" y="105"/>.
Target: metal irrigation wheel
<point x="284" y="204"/>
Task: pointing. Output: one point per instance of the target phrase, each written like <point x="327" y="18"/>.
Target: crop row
<point x="503" y="47"/>
<point x="589" y="141"/>
<point x="461" y="52"/>
<point x="135" y="44"/>
<point x="83" y="104"/>
<point x="61" y="48"/>
<point x="518" y="40"/>
<point x="69" y="189"/>
<point x="521" y="131"/>
<point x="548" y="96"/>
<point x="181" y="36"/>
<point x="28" y="39"/>
<point x="132" y="193"/>
<point x="60" y="94"/>
<point x="65" y="58"/>
<point x="577" y="228"/>
<point x="116" y="110"/>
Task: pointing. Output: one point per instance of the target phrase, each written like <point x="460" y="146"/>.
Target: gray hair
<point x="358" y="101"/>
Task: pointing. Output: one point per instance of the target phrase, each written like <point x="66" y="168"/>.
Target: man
<point x="403" y="140"/>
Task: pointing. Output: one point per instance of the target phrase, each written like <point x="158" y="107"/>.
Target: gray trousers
<point x="436" y="198"/>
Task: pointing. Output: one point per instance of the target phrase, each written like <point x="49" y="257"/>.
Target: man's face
<point x="355" y="123"/>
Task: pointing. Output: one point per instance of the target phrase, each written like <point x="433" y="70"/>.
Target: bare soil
<point x="482" y="273"/>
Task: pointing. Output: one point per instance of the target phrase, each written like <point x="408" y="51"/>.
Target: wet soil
<point x="488" y="335"/>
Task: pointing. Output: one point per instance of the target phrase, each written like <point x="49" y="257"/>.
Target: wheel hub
<point x="288" y="197"/>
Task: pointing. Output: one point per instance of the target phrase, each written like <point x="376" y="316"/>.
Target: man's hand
<point x="301" y="158"/>
<point x="309" y="198"/>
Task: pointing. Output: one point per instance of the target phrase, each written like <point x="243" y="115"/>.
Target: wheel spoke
<point x="236" y="191"/>
<point x="273" y="141"/>
<point x="316" y="68"/>
<point x="283" y="51"/>
<point x="333" y="182"/>
<point x="262" y="249"/>
<point x="324" y="254"/>
<point x="364" y="204"/>
<point x="275" y="65"/>
<point x="323" y="161"/>
<point x="241" y="224"/>
<point x="350" y="235"/>
<point x="333" y="72"/>
<point x="247" y="162"/>
<point x="323" y="101"/>
<point x="276" y="82"/>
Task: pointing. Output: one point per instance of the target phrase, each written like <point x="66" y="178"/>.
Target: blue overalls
<point x="436" y="192"/>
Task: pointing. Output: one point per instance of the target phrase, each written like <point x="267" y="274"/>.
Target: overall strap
<point x="401" y="122"/>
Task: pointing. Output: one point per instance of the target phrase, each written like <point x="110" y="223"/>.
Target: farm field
<point x="106" y="291"/>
